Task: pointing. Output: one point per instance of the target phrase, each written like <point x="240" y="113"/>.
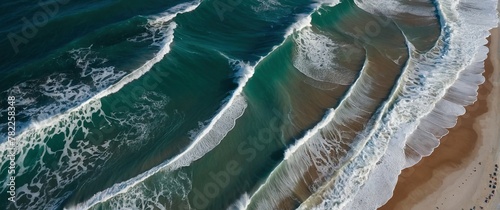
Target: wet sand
<point x="463" y="172"/>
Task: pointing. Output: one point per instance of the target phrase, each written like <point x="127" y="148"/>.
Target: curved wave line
<point x="403" y="119"/>
<point x="164" y="50"/>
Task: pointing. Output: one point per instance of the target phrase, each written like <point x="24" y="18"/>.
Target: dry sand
<point x="458" y="174"/>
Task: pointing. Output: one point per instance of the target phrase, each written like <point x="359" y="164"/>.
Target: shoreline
<point x="455" y="173"/>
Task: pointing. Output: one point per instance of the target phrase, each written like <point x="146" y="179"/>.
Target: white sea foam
<point x="60" y="91"/>
<point x="395" y="7"/>
<point x="105" y="79"/>
<point x="204" y="142"/>
<point x="156" y="24"/>
<point x="75" y="156"/>
<point x="304" y="20"/>
<point x="54" y="88"/>
<point x="310" y="133"/>
<point x="220" y="125"/>
<point x="68" y="163"/>
<point x="328" y="3"/>
<point x="323" y="147"/>
<point x="317" y="57"/>
<point x="431" y="81"/>
<point x="271" y="8"/>
<point x="75" y="152"/>
<point x="240" y="204"/>
<point x="434" y="125"/>
<point x="170" y="192"/>
<point x="267" y="6"/>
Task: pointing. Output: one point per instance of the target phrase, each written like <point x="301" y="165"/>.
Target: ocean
<point x="229" y="104"/>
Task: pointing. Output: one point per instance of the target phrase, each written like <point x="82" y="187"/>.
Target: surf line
<point x="391" y="126"/>
<point x="164" y="50"/>
<point x="362" y="139"/>
<point x="328" y="118"/>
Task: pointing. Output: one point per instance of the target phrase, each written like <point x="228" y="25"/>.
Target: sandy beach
<point x="463" y="171"/>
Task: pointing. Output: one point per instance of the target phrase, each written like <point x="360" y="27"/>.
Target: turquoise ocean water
<point x="229" y="104"/>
